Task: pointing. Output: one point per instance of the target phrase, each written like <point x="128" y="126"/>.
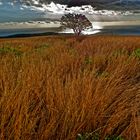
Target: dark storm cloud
<point x="99" y="4"/>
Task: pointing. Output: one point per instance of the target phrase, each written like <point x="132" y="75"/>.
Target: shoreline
<point x="56" y="24"/>
<point x="108" y="36"/>
<point x="51" y="34"/>
<point x="27" y="29"/>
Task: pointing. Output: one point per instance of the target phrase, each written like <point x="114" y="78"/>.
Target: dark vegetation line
<point x="29" y="35"/>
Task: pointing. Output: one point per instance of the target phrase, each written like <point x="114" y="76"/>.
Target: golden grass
<point x="53" y="88"/>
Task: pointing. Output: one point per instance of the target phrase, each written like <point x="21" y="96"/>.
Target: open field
<point x="66" y="88"/>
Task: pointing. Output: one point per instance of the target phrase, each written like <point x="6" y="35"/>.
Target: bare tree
<point x="76" y="22"/>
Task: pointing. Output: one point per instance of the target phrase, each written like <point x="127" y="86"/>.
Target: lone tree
<point x="76" y="22"/>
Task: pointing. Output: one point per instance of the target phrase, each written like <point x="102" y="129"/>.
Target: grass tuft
<point x="63" y="89"/>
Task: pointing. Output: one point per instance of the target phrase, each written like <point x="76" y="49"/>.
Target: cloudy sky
<point x="25" y="10"/>
<point x="108" y="4"/>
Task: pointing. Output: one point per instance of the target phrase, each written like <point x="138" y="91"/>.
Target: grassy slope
<point x="57" y="87"/>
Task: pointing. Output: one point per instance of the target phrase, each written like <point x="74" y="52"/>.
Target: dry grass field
<point x="66" y="88"/>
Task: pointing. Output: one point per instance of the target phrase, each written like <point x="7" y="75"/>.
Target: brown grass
<point x="53" y="88"/>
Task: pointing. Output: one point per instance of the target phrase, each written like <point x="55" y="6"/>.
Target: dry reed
<point x="53" y="88"/>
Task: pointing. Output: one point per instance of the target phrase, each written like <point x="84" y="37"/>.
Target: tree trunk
<point x="77" y="32"/>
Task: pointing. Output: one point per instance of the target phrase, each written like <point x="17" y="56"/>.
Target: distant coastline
<point x="41" y="28"/>
<point x="56" y="24"/>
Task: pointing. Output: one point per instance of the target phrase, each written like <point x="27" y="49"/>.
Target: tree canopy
<point x="76" y="22"/>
